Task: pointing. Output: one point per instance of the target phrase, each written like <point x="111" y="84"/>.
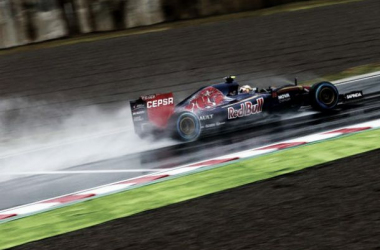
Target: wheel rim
<point x="327" y="96"/>
<point x="187" y="126"/>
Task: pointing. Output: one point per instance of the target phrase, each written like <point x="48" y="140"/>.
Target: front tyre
<point x="324" y="96"/>
<point x="188" y="127"/>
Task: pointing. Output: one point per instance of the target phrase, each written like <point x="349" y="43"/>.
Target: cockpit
<point x="218" y="94"/>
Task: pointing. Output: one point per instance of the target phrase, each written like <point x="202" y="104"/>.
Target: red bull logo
<point x="207" y="98"/>
<point x="246" y="109"/>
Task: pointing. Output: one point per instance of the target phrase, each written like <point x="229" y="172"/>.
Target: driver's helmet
<point x="245" y="89"/>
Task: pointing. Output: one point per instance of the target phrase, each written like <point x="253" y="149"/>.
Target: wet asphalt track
<point x="108" y="73"/>
<point x="38" y="187"/>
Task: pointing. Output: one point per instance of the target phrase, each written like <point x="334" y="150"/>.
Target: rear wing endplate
<point x="152" y="111"/>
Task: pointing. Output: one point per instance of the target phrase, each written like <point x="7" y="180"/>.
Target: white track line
<point x="36" y="207"/>
<point x="357" y="78"/>
<point x="86" y="171"/>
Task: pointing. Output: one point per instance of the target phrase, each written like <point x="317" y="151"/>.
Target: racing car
<point x="228" y="104"/>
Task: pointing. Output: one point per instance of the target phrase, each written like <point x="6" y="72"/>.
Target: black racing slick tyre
<point x="324" y="96"/>
<point x="188" y="127"/>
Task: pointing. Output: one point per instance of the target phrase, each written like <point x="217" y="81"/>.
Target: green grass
<point x="96" y="211"/>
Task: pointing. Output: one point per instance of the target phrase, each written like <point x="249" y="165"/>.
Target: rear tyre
<point x="324" y="96"/>
<point x="188" y="127"/>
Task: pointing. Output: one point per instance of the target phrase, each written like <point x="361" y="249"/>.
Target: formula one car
<point x="228" y="104"/>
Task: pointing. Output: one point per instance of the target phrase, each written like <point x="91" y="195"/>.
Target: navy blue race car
<point x="215" y="106"/>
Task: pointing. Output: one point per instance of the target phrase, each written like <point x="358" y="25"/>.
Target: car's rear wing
<point x="152" y="111"/>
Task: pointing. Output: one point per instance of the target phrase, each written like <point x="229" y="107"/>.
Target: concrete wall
<point x="7" y="30"/>
<point x="49" y="25"/>
<point x="215" y="7"/>
<point x="143" y="12"/>
<point x="28" y="21"/>
<point x="11" y="25"/>
<point x="84" y="20"/>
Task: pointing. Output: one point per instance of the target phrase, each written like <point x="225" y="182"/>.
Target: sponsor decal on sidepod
<point x="246" y="109"/>
<point x="284" y="97"/>
<point x="206" y="117"/>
